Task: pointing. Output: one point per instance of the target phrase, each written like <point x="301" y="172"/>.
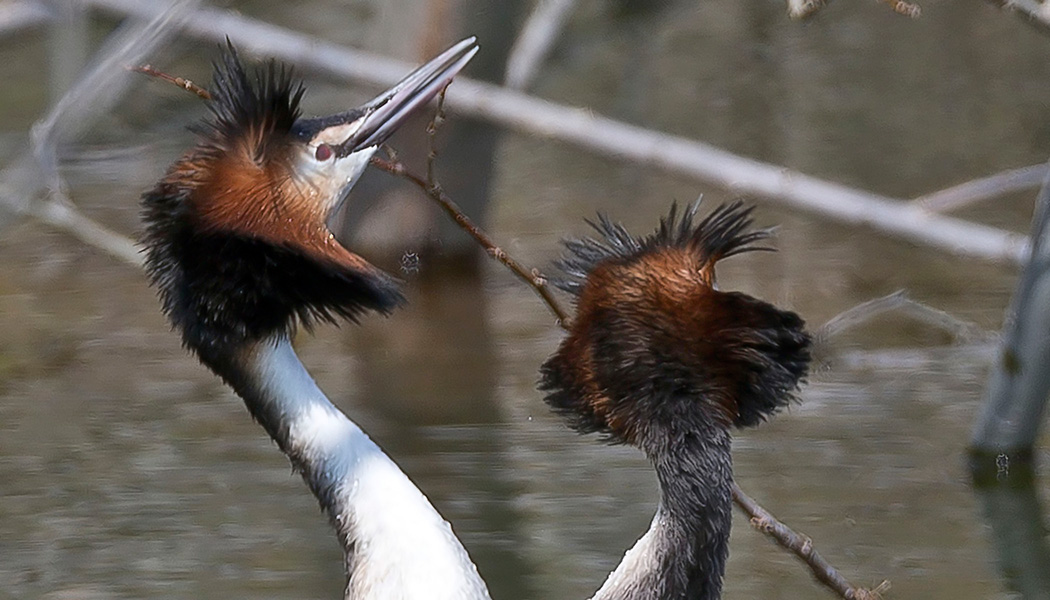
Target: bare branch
<point x="977" y="190"/>
<point x="432" y="128"/>
<point x="185" y="84"/>
<point x="535" y="41"/>
<point x="662" y="151"/>
<point x="64" y="216"/>
<point x="16" y="16"/>
<point x="1016" y="397"/>
<point x="801" y="9"/>
<point x="101" y="86"/>
<point x="532" y="277"/>
<point x="899" y="300"/>
<point x="902" y="7"/>
<point x="802" y="546"/>
<point x="97" y="90"/>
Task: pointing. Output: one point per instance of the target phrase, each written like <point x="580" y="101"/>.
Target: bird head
<point x="236" y="234"/>
<point x="655" y="348"/>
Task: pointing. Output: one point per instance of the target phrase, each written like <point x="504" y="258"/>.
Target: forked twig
<point x="787" y="538"/>
<point x="899" y="300"/>
<point x="803" y="548"/>
<point x="902" y="7"/>
<point x="185" y="84"/>
<point x="802" y="9"/>
<point x="977" y="190"/>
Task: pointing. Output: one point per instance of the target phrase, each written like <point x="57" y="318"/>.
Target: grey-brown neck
<point x="683" y="554"/>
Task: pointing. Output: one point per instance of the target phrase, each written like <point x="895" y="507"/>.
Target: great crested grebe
<point x="237" y="245"/>
<point x="659" y="358"/>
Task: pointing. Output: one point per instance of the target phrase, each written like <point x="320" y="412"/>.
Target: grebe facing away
<point x="658" y="358"/>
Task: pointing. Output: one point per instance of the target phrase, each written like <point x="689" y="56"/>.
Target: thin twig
<point x="985" y="188"/>
<point x="802" y="546"/>
<point x="902" y="7"/>
<point x="532" y="277"/>
<point x="185" y="84"/>
<point x="432" y="128"/>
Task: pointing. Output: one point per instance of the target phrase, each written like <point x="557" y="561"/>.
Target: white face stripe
<point x="329" y="179"/>
<point x="336" y="134"/>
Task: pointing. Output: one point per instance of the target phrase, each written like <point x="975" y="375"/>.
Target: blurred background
<point x="128" y="471"/>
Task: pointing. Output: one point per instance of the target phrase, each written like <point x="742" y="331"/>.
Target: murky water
<point x="128" y="471"/>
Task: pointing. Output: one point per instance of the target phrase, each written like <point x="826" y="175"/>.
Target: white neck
<point x="397" y="546"/>
<point x="628" y="580"/>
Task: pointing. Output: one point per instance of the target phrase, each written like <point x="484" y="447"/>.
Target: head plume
<point x="257" y="109"/>
<point x="236" y="250"/>
<point x="655" y="346"/>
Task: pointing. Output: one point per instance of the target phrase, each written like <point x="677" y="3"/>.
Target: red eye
<point x="323" y="153"/>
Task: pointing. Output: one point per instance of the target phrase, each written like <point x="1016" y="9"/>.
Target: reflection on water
<point x="127" y="471"/>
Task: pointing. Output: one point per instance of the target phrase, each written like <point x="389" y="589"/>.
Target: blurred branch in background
<point x="33" y="185"/>
<point x="985" y="188"/>
<point x="967" y="338"/>
<point x="908" y="9"/>
<point x="1016" y="397"/>
<point x="1033" y="12"/>
<point x="801" y="9"/>
<point x="16" y="16"/>
<point x="537" y="36"/>
<point x="899" y="301"/>
<point x="665" y="152"/>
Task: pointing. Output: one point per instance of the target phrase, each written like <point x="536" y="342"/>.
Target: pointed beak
<point x="389" y="110"/>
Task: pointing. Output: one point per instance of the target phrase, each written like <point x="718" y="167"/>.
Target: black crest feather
<point x="264" y="102"/>
<point x="655" y="348"/>
<point x="726" y="232"/>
